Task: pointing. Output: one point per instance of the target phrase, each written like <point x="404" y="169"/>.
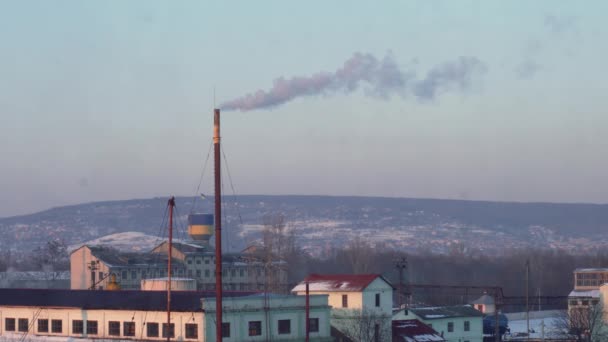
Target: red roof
<point x="337" y="282"/>
<point x="411" y="330"/>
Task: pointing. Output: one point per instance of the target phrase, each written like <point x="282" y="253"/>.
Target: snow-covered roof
<point x="485" y="300"/>
<point x="445" y="312"/>
<point x="337" y="282"/>
<point x="412" y="330"/>
<point x="585" y="294"/>
<point x="591" y="270"/>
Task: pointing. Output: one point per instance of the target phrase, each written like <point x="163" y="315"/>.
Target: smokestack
<point x="382" y="78"/>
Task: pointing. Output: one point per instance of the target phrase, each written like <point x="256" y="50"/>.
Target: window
<point x="207" y="261"/>
<point x="92" y="277"/>
<point x="133" y="274"/>
<point x="171" y="330"/>
<point x="190" y="273"/>
<point x="242" y="272"/>
<point x="198" y="273"/>
<point x="377" y="299"/>
<point x="198" y="261"/>
<point x="585" y="302"/>
<point x="128" y="328"/>
<point x="313" y="325"/>
<point x="124" y="275"/>
<point x="56" y="326"/>
<point x="467" y="326"/>
<point x="255" y="328"/>
<point x="23" y="324"/>
<point x="114" y="328"/>
<point x="192" y="330"/>
<point x="233" y="272"/>
<point x="225" y="329"/>
<point x="207" y="273"/>
<point x="284" y="326"/>
<point x="573" y="302"/>
<point x="91" y="327"/>
<point x="189" y="261"/>
<point x="100" y="275"/>
<point x="9" y="324"/>
<point x="344" y="301"/>
<point x="43" y="325"/>
<point x="152" y="329"/>
<point x="77" y="326"/>
<point x="450" y="326"/>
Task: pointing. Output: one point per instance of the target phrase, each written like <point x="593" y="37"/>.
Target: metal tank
<point x="200" y="227"/>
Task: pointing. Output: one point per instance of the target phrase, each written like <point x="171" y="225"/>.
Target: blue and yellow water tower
<point x="200" y="227"/>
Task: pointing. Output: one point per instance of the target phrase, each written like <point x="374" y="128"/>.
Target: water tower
<point x="200" y="228"/>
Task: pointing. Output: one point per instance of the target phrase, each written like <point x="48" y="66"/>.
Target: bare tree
<point x="52" y="257"/>
<point x="585" y="323"/>
<point x="364" y="325"/>
<point x="359" y="254"/>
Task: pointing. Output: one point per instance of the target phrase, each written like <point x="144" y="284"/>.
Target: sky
<point x="105" y="100"/>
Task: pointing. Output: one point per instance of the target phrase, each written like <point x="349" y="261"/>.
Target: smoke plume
<point x="381" y="78"/>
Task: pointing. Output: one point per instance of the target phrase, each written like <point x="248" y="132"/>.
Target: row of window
<point x="283" y="327"/>
<point x="91" y="327"/>
<point x="584" y="302"/>
<point x="467" y="326"/>
<point x="177" y="271"/>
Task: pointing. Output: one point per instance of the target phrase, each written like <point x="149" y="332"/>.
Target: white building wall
<point x="102" y="317"/>
<point x="80" y="275"/>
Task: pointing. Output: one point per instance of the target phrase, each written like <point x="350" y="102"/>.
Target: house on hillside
<point x="460" y="323"/>
<point x="412" y="330"/>
<point x="361" y="304"/>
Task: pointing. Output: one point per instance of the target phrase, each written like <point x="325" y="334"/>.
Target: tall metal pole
<point x="527" y="299"/>
<point x="496" y="317"/>
<point x="307" y="312"/>
<point x="171" y="204"/>
<point x="218" y="224"/>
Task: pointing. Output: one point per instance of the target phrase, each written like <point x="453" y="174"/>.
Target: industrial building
<point x="250" y="270"/>
<point x="142" y="315"/>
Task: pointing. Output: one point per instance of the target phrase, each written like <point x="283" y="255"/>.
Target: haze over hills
<point x="322" y="223"/>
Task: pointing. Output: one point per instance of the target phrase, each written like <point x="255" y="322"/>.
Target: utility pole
<point x="171" y="205"/>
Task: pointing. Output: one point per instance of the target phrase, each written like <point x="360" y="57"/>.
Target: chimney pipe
<point x="218" y="224"/>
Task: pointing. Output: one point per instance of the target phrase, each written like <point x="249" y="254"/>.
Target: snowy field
<point x="542" y="324"/>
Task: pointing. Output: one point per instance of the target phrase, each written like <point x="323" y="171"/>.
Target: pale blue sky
<point x="108" y="100"/>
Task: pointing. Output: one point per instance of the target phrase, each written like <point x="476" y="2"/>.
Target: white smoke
<point x="380" y="77"/>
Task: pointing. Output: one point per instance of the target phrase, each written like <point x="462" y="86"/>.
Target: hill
<point x="323" y="222"/>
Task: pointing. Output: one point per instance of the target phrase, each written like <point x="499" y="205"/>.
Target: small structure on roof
<point x="485" y="304"/>
<point x="412" y="330"/>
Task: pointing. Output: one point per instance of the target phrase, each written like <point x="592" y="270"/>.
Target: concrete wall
<point x="102" y="317"/>
<point x="80" y="275"/>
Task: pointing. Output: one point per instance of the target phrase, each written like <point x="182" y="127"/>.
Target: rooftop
<point x="441" y="312"/>
<point x="181" y="301"/>
<point x="584" y="270"/>
<point x="485" y="300"/>
<point x="412" y="330"/>
<point x="337" y="282"/>
<point x="585" y="294"/>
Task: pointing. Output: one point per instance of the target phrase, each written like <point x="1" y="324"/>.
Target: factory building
<point x="250" y="270"/>
<point x="30" y="314"/>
